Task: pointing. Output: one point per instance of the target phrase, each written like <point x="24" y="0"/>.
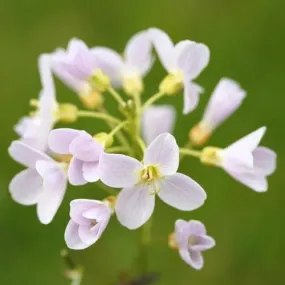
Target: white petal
<point x="91" y="171"/>
<point x="264" y="160"/>
<point x="60" y="139"/>
<point x="26" y="155"/>
<point x="75" y="172"/>
<point x="225" y="100"/>
<point x="192" y="94"/>
<point x="71" y="237"/>
<point x="55" y="183"/>
<point x="163" y="152"/>
<point x="164" y="48"/>
<point x="192" y="58"/>
<point x="117" y="170"/>
<point x="46" y="73"/>
<point x="134" y="206"/>
<point x="157" y="120"/>
<point x="111" y="63"/>
<point x="194" y="259"/>
<point x="26" y="187"/>
<point x="181" y="192"/>
<point x="204" y="243"/>
<point x="138" y="53"/>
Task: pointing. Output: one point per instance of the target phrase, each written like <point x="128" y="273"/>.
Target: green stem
<point x="118" y="128"/>
<point x="116" y="96"/>
<point x="98" y="115"/>
<point x="153" y="99"/>
<point x="190" y="152"/>
<point x="117" y="149"/>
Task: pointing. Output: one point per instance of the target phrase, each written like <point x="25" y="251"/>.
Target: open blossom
<point x="225" y="100"/>
<point x="141" y="181"/>
<point x="43" y="183"/>
<point x="245" y="161"/>
<point x="89" y="219"/>
<point x="157" y="120"/>
<point x="35" y="129"/>
<point x="128" y="70"/>
<point x="191" y="239"/>
<point x="85" y="152"/>
<point x="184" y="62"/>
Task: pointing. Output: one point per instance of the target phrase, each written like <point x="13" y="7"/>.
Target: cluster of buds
<point x="138" y="155"/>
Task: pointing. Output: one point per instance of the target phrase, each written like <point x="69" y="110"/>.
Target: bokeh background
<point x="247" y="40"/>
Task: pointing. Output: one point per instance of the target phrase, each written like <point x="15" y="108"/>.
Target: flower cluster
<point x="138" y="155"/>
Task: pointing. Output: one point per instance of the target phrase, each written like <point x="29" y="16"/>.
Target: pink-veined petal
<point x="134" y="206"/>
<point x="26" y="187"/>
<point x="181" y="192"/>
<point x="25" y="154"/>
<point x="60" y="139"/>
<point x="191" y="95"/>
<point x="117" y="170"/>
<point x="163" y="152"/>
<point x="164" y="48"/>
<point x="157" y="120"/>
<point x="71" y="237"/>
<point x="75" y="172"/>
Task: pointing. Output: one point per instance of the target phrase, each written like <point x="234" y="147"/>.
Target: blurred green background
<point x="247" y="40"/>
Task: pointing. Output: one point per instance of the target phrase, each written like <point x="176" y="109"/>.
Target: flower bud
<point x="92" y="100"/>
<point x="99" y="81"/>
<point x="211" y="156"/>
<point x="132" y="84"/>
<point x="67" y="113"/>
<point x="104" y="139"/>
<point x="171" y="84"/>
<point x="199" y="134"/>
<point x="172" y="241"/>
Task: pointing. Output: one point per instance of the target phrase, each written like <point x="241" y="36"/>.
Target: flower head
<point x="43" y="183"/>
<point x="84" y="150"/>
<point x="157" y="120"/>
<point x="245" y="161"/>
<point x="34" y="130"/>
<point x="89" y="219"/>
<point x="141" y="181"/>
<point x="128" y="71"/>
<point x="183" y="62"/>
<point x="225" y="100"/>
<point x="191" y="240"/>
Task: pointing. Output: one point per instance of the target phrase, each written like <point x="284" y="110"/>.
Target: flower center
<point x="211" y="156"/>
<point x="192" y="240"/>
<point x="93" y="223"/>
<point x="150" y="173"/>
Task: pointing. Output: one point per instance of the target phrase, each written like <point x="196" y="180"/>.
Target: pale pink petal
<point x="192" y="58"/>
<point x="181" y="192"/>
<point x="25" y="154"/>
<point x="164" y="48"/>
<point x="203" y="243"/>
<point x="194" y="259"/>
<point x="111" y="63"/>
<point x="85" y="148"/>
<point x="88" y="235"/>
<point x="117" y="170"/>
<point x="157" y="120"/>
<point x="134" y="206"/>
<point x="46" y="73"/>
<point x="71" y="237"/>
<point x="163" y="152"/>
<point x="264" y="160"/>
<point x="75" y="172"/>
<point x="138" y="53"/>
<point x="225" y="100"/>
<point x="91" y="171"/>
<point x="60" y="139"/>
<point x="191" y="95"/>
<point x="26" y="187"/>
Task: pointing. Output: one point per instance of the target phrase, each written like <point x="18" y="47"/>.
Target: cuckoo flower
<point x="128" y="71"/>
<point x="225" y="100"/>
<point x="191" y="239"/>
<point x="184" y="62"/>
<point x="244" y="160"/>
<point x="157" y="120"/>
<point x="85" y="152"/>
<point x="43" y="183"/>
<point x="76" y="67"/>
<point x="141" y="181"/>
<point x="89" y="219"/>
<point x="34" y="130"/>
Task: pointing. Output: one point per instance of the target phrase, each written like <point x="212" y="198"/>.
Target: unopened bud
<point x="67" y="113"/>
<point x="211" y="156"/>
<point x="92" y="100"/>
<point x="105" y="139"/>
<point x="110" y="201"/>
<point x="171" y="84"/>
<point x="199" y="134"/>
<point x="99" y="81"/>
<point x="172" y="241"/>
